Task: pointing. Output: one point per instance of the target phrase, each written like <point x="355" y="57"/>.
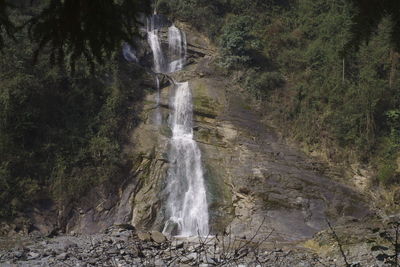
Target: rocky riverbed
<point x="122" y="245"/>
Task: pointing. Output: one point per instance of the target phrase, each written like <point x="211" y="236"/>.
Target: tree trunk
<point x="343" y="70"/>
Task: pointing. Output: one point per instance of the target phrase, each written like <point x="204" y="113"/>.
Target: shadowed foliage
<point x="6" y="26"/>
<point x="370" y="14"/>
<point x="62" y="133"/>
<point x="89" y="29"/>
<point x="72" y="29"/>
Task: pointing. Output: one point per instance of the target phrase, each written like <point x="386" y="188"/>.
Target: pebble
<point x="33" y="255"/>
<point x="62" y="256"/>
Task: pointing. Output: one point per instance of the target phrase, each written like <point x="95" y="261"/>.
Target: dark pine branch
<point x="6" y="26"/>
<point x="90" y="29"/>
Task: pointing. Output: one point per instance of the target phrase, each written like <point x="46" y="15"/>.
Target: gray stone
<point x="112" y="251"/>
<point x="67" y="244"/>
<point x="159" y="262"/>
<point x="158" y="237"/>
<point x="62" y="256"/>
<point x="33" y="255"/>
<point x="144" y="236"/>
<point x="18" y="254"/>
<point x="192" y="256"/>
<point x="177" y="244"/>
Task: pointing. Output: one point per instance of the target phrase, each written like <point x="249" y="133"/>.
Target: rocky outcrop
<point x="253" y="178"/>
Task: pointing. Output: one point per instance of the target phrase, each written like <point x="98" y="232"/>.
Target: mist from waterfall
<point x="129" y="53"/>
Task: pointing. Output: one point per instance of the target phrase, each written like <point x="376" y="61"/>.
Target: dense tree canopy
<point x="60" y="133"/>
<point x="326" y="70"/>
<point x="6" y="26"/>
<point x="370" y="13"/>
<point x="73" y="29"/>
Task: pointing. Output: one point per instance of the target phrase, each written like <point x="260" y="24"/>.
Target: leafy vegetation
<point x="6" y="26"/>
<point x="75" y="29"/>
<point x="327" y="71"/>
<point x="60" y="134"/>
<point x="368" y="16"/>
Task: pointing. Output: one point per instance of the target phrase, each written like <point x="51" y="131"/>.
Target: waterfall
<point x="186" y="203"/>
<point x="155" y="45"/>
<point x="157" y="114"/>
<point x="158" y="61"/>
<point x="177" y="48"/>
<point x="176" y="44"/>
<point x="129" y="53"/>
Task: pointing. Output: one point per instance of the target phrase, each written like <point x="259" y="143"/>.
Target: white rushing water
<point x="129" y="53"/>
<point x="157" y="114"/>
<point x="187" y="203"/>
<point x="155" y="45"/>
<point x="186" y="206"/>
<point x="177" y="48"/>
<point x="158" y="55"/>
<point x="158" y="62"/>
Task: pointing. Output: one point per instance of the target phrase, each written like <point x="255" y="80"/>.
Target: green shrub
<point x="387" y="173"/>
<point x="163" y="7"/>
<point x="261" y="84"/>
<point x="393" y="121"/>
<point x="235" y="42"/>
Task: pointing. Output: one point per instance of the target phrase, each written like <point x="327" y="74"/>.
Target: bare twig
<point x="339" y="244"/>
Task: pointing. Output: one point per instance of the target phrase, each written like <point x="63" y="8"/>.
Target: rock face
<point x="255" y="182"/>
<point x="253" y="178"/>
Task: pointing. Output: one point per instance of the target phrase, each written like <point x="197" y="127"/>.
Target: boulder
<point x="158" y="237"/>
<point x="33" y="255"/>
<point x="62" y="256"/>
<point x="144" y="236"/>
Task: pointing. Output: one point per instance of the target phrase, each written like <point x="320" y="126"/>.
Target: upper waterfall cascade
<point x="177" y="48"/>
<point x="186" y="206"/>
<point x="173" y="59"/>
<point x="155" y="45"/>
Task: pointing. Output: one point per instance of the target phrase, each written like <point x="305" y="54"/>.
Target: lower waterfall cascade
<point x="187" y="203"/>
